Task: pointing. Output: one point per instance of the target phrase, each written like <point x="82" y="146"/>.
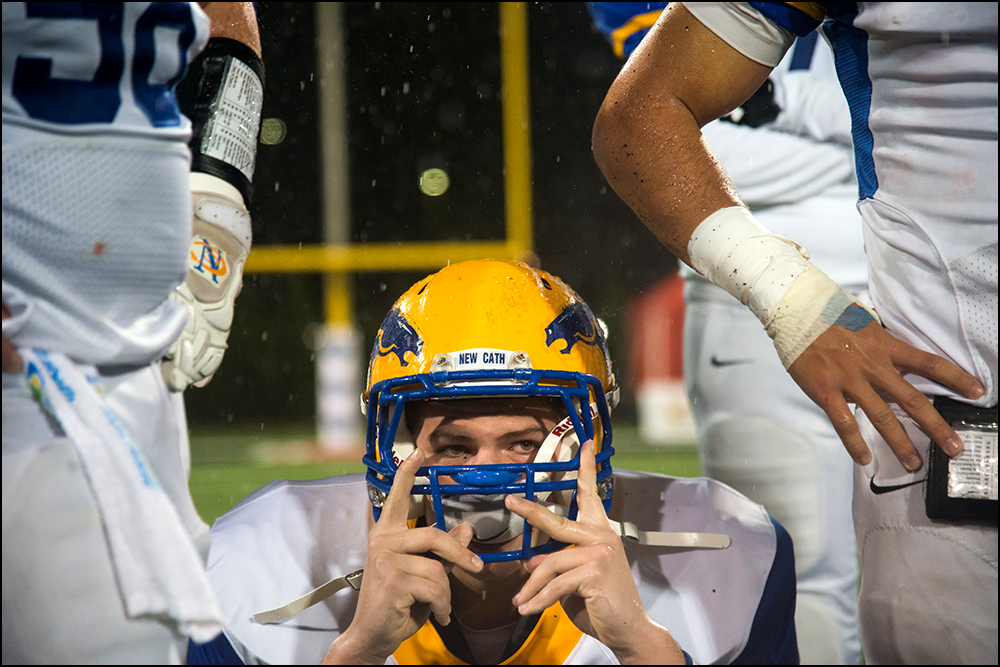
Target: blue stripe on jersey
<point x="788" y="17"/>
<point x="772" y="638"/>
<point x="216" y="652"/>
<point x="802" y="52"/>
<point x="850" y="53"/>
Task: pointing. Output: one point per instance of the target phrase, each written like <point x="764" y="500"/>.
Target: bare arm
<point x="647" y="137"/>
<point x="12" y="361"/>
<point x="234" y="20"/>
<point x="648" y="143"/>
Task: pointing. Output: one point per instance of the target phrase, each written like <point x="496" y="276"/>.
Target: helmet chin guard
<point x="491" y="521"/>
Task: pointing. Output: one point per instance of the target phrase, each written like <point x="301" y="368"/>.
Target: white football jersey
<point x="921" y="83"/>
<point x="288" y="538"/>
<point x="96" y="201"/>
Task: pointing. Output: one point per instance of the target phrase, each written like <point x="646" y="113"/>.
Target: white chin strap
<point x="491" y="521"/>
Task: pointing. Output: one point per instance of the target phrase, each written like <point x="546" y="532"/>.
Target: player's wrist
<point x="220" y="204"/>
<point x="813" y="304"/>
<point x="649" y="644"/>
<point x="792" y="298"/>
<point x="222" y="94"/>
<point x="737" y="253"/>
<point x="351" y="648"/>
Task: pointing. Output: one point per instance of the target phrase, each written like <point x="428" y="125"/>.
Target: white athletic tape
<point x="793" y="299"/>
<point x="812" y="305"/>
<point x="741" y="256"/>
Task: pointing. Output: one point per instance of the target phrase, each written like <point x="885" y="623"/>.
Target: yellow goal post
<point x="336" y="261"/>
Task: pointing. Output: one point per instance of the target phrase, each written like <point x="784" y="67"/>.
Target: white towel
<point x="159" y="572"/>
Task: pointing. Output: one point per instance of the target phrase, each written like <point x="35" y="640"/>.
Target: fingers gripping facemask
<point x="491" y="521"/>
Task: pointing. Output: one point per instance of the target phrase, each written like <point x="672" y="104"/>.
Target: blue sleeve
<point x="772" y="634"/>
<point x="216" y="652"/>
<point x="613" y="20"/>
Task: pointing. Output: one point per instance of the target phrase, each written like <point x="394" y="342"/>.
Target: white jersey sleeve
<point x="278" y="543"/>
<point x="725" y="606"/>
<point x="739" y="25"/>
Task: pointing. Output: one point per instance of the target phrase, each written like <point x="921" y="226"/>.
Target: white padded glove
<point x="220" y="243"/>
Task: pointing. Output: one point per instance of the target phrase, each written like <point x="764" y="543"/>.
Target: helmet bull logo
<point x="396" y="336"/>
<point x="575" y="324"/>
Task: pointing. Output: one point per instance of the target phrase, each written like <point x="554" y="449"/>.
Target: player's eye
<point x="453" y="451"/>
<point x="526" y="446"/>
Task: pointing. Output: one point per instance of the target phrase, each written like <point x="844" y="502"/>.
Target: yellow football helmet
<point x="491" y="328"/>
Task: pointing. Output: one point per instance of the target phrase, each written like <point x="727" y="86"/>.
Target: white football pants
<point x="60" y="600"/>
<point x="759" y="433"/>
<point x="928" y="588"/>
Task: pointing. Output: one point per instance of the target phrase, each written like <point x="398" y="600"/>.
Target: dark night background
<point x="424" y="85"/>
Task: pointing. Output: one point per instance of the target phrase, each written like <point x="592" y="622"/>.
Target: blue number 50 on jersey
<point x="98" y="63"/>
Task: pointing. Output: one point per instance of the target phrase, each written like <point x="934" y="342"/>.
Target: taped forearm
<point x="792" y="298"/>
<point x="222" y="94"/>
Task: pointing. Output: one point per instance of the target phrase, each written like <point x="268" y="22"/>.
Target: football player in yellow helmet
<point x="484" y="379"/>
<point x="493" y="330"/>
<point x="489" y="398"/>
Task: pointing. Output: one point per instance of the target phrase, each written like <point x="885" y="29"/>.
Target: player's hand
<point x="219" y="247"/>
<point x="866" y="367"/>
<point x="593" y="579"/>
<point x="403" y="583"/>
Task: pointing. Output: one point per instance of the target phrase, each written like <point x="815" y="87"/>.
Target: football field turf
<point x="228" y="466"/>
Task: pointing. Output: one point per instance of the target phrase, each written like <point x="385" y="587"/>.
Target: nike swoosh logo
<point x="879" y="490"/>
<point x="729" y="362"/>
